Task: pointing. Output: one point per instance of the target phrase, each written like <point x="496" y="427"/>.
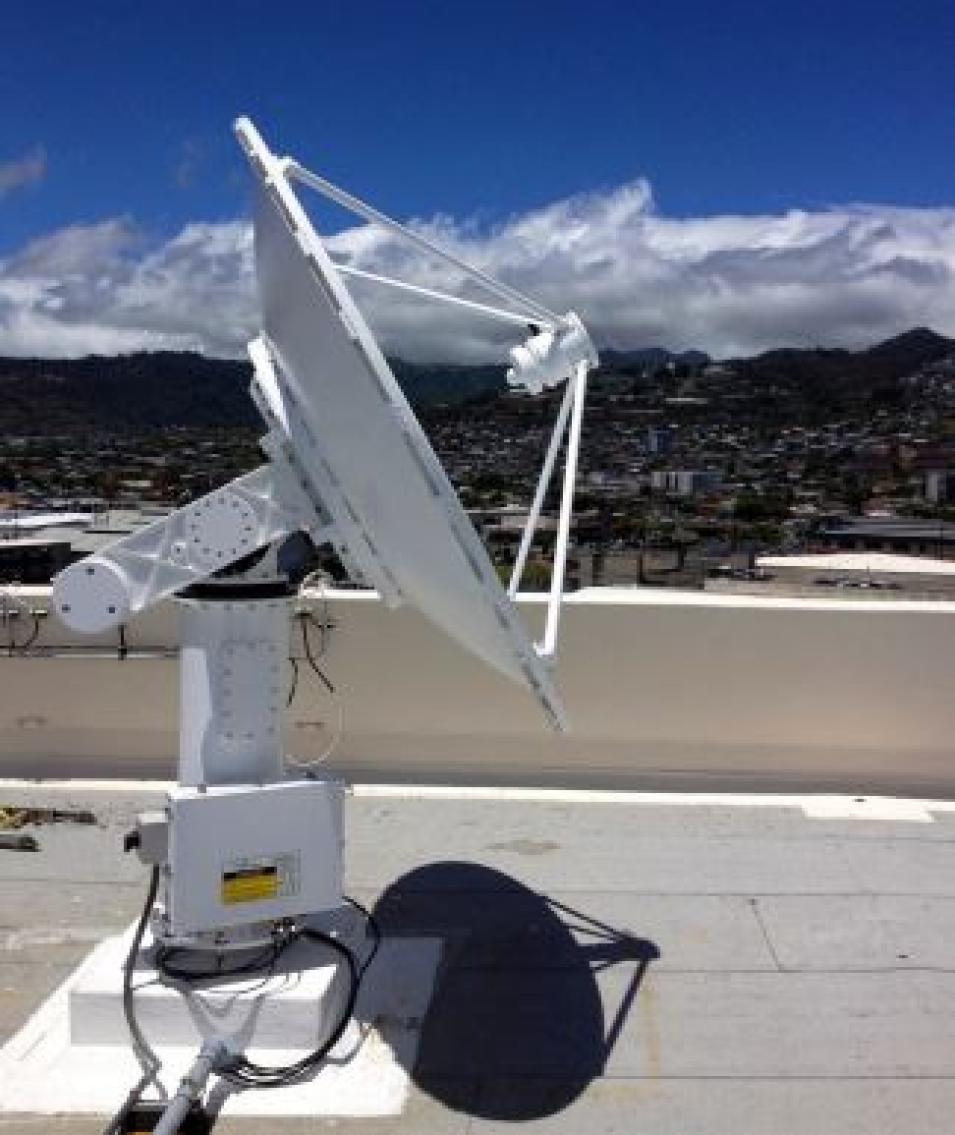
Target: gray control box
<point x="243" y="854"/>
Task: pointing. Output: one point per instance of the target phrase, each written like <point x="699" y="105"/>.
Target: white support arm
<point x="362" y="209"/>
<point x="571" y="407"/>
<point x="189" y="545"/>
<point x="442" y="297"/>
<point x="543" y="484"/>
<point x="579" y="383"/>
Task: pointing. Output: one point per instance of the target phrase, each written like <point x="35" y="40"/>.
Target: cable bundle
<point x="240" y="1071"/>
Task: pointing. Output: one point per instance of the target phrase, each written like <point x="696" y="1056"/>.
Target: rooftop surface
<point x="863" y="562"/>
<point x="613" y="963"/>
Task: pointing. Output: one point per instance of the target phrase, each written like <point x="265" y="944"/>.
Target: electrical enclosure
<point x="241" y="854"/>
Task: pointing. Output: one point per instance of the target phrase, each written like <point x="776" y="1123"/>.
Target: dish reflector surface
<point x="360" y="450"/>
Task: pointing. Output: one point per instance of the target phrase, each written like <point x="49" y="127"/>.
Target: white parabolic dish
<point x="359" y="448"/>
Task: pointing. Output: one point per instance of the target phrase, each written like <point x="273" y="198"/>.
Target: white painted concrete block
<point x="44" y="1071"/>
<point x="295" y="1007"/>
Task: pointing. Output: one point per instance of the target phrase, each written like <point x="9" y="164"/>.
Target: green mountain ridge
<point x="156" y="390"/>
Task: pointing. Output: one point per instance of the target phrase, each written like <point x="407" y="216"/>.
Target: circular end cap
<point x="91" y="596"/>
<point x="220" y="529"/>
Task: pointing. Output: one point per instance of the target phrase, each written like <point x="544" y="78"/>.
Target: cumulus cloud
<point x="22" y="171"/>
<point x="727" y="284"/>
<point x="103" y="289"/>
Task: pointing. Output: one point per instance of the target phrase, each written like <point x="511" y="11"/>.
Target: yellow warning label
<point x="251" y="884"/>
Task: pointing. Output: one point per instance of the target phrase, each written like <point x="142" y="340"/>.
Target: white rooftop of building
<point x="730" y="911"/>
<point x="29" y="521"/>
<point x="617" y="963"/>
<point x="884" y="562"/>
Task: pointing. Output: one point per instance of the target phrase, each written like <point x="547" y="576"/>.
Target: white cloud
<point x="101" y="289"/>
<point x="728" y="284"/>
<point x="22" y="171"/>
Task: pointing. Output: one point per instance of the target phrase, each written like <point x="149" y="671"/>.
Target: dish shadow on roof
<point x="516" y="1029"/>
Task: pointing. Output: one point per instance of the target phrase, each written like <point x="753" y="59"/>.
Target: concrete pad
<point x="43" y="1071"/>
<point x="292" y="1005"/>
<point x="720" y="1107"/>
<point x="540" y="1020"/>
<point x="852" y="932"/>
<point x="786" y="1025"/>
<point x="25" y="982"/>
<point x="82" y="853"/>
<point x="447" y="1113"/>
<point x="616" y="859"/>
<point x="699" y="813"/>
<point x="422" y="1115"/>
<point x="912" y="867"/>
<point x="68" y="911"/>
<point x="707" y="932"/>
<point x="55" y="1124"/>
<point x="694" y="1025"/>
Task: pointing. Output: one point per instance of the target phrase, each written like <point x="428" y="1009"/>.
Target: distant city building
<point x="18" y="523"/>
<point x="659" y="440"/>
<point x="35" y="546"/>
<point x="842" y="575"/>
<point x="939" y="485"/>
<point x="684" y="482"/>
<point x="33" y="560"/>
<point x="894" y="534"/>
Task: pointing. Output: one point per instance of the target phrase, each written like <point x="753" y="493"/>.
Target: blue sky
<point x="119" y="113"/>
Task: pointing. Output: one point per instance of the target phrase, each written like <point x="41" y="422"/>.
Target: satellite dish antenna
<point x="329" y="396"/>
<point x="410" y="536"/>
<point x="243" y="849"/>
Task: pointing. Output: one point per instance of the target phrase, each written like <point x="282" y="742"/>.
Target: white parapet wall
<point x="664" y="689"/>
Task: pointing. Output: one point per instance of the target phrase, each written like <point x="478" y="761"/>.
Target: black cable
<point x="294" y="686"/>
<point x="242" y="1072"/>
<point x="263" y="960"/>
<point x="245" y="1073"/>
<point x="283" y="935"/>
<point x="307" y="647"/>
<point x="141" y="1047"/>
<point x="139" y="1040"/>
<point x="123" y="648"/>
<point x="324" y="625"/>
<point x="7" y="615"/>
<point x="371" y="924"/>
